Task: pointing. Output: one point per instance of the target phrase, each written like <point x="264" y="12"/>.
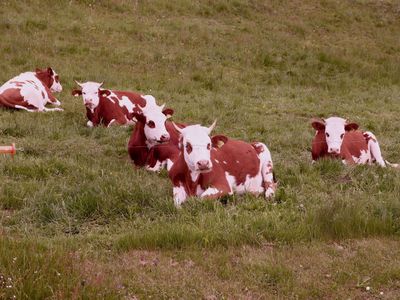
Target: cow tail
<point x="393" y="165"/>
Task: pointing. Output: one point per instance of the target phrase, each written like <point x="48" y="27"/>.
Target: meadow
<point x="78" y="221"/>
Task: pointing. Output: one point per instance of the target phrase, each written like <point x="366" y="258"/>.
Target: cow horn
<point x="78" y="83"/>
<point x="101" y="83"/>
<point x="212" y="126"/>
<point x="176" y="127"/>
<point x="162" y="106"/>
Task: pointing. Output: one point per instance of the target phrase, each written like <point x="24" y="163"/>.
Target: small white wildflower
<point x="368" y="288"/>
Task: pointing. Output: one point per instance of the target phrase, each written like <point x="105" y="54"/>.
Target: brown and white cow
<point x="154" y="140"/>
<point x="214" y="167"/>
<point x="31" y="91"/>
<point x="108" y="107"/>
<point x="338" y="138"/>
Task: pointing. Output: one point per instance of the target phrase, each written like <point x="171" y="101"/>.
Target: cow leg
<point x="52" y="109"/>
<point x="266" y="170"/>
<point x="180" y="195"/>
<point x="157" y="167"/>
<point x="111" y="123"/>
<point x="374" y="148"/>
<point x="213" y="193"/>
<point x="25" y="108"/>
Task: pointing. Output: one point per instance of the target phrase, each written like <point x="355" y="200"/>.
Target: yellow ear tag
<point x="220" y="144"/>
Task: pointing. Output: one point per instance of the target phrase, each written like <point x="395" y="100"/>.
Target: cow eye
<point x="208" y="146"/>
<point x="83" y="93"/>
<point x="342" y="136"/>
<point x="151" y="124"/>
<point x="189" y="148"/>
<point x="327" y="134"/>
<point x="56" y="78"/>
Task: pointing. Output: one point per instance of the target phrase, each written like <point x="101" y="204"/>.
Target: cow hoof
<point x="269" y="193"/>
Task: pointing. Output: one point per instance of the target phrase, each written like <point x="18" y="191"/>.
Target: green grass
<point x="72" y="204"/>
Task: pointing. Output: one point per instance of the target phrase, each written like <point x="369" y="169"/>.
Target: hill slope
<point x="77" y="220"/>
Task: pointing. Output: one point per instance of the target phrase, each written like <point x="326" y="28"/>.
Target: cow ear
<point x="168" y="112"/>
<point x="218" y="141"/>
<point x="318" y="124"/>
<point x="350" y="126"/>
<point x="50" y="71"/>
<point x="76" y="93"/>
<point x="105" y="93"/>
<point x="139" y="117"/>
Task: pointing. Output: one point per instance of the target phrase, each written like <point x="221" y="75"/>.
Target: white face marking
<point x="154" y="129"/>
<point x="334" y="133"/>
<point x="90" y="94"/>
<point x="197" y="148"/>
<point x="56" y="86"/>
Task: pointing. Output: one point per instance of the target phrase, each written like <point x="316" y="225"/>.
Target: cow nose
<point x="203" y="164"/>
<point x="164" y="138"/>
<point x="333" y="150"/>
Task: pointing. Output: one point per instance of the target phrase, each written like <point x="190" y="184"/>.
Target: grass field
<point x="77" y="221"/>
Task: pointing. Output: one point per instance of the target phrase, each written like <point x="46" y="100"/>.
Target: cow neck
<point x="190" y="180"/>
<point x="137" y="145"/>
<point x="150" y="144"/>
<point x="44" y="77"/>
<point x="138" y="134"/>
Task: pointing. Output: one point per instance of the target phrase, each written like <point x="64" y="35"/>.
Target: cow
<point x="338" y="138"/>
<point x="154" y="140"/>
<point x="212" y="167"/>
<point x="108" y="107"/>
<point x="31" y="91"/>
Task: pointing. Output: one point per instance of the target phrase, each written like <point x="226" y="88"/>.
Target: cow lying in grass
<point x="31" y="91"/>
<point x="154" y="140"/>
<point x="108" y="107"/>
<point x="218" y="166"/>
<point x="336" y="137"/>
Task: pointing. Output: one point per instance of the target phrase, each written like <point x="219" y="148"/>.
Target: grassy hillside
<point x="78" y="221"/>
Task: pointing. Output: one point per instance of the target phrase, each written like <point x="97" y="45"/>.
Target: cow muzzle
<point x="204" y="165"/>
<point x="163" y="139"/>
<point x="334" y="150"/>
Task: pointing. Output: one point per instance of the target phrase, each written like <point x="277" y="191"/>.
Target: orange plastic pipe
<point x="8" y="150"/>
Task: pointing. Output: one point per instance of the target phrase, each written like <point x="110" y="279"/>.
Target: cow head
<point x="334" y="129"/>
<point x="90" y="92"/>
<point x="196" y="147"/>
<point x="153" y="117"/>
<point x="50" y="78"/>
